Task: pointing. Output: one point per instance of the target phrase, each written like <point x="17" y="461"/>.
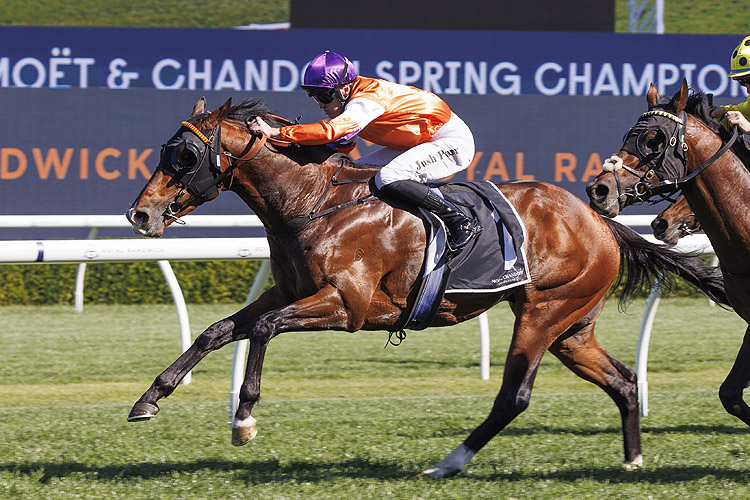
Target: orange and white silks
<point x="385" y="113"/>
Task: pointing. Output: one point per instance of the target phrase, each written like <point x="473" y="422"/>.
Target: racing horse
<point x="677" y="144"/>
<point x="344" y="260"/>
<point x="674" y="222"/>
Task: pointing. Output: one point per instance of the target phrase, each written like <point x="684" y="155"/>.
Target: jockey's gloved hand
<point x="717" y="113"/>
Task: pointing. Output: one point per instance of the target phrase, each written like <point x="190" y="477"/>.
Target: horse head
<point x="189" y="173"/>
<point x="653" y="155"/>
<point x="675" y="222"/>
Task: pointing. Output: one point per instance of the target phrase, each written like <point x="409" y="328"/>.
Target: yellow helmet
<point x="741" y="59"/>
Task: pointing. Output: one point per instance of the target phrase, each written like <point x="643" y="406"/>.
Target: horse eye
<point x="656" y="141"/>
<point x="651" y="141"/>
<point x="183" y="157"/>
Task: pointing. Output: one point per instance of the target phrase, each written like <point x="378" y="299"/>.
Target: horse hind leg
<point x="731" y="389"/>
<point x="582" y="354"/>
<point x="527" y="347"/>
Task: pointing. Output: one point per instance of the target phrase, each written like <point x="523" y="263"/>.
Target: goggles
<point x="322" y="96"/>
<point x="744" y="81"/>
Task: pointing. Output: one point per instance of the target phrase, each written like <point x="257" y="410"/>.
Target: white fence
<point x="165" y="249"/>
<point x="161" y="250"/>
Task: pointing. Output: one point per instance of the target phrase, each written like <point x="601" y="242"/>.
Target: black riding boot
<point x="461" y="228"/>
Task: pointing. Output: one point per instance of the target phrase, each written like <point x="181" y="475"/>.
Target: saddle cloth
<point x="492" y="262"/>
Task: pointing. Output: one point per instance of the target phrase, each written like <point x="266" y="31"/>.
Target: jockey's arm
<point x="356" y="116"/>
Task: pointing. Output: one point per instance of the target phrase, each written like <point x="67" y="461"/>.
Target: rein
<point x="297" y="223"/>
<point x="716" y="155"/>
<point x="251" y="150"/>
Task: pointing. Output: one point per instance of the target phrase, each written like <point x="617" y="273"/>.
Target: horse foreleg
<point x="583" y="355"/>
<point x="235" y="327"/>
<point x="322" y="311"/>
<point x="730" y="392"/>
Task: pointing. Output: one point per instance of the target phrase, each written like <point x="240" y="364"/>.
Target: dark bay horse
<point x="344" y="260"/>
<point x="716" y="184"/>
<point x="674" y="222"/>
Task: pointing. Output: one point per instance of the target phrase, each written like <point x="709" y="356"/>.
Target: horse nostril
<point x="597" y="191"/>
<point x="601" y="191"/>
<point x="137" y="218"/>
<point x="659" y="226"/>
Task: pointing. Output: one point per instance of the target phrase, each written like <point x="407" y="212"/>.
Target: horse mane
<point x="700" y="106"/>
<point x="249" y="109"/>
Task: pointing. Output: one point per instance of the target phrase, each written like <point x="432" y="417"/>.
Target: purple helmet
<point x="329" y="70"/>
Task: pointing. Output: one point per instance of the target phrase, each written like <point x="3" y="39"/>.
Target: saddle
<point x="492" y="262"/>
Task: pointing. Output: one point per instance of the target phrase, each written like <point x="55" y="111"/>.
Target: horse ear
<point x="679" y="100"/>
<point x="652" y="98"/>
<point x="199" y="108"/>
<point x="217" y="116"/>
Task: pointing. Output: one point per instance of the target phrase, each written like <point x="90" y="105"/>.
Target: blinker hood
<point x="193" y="160"/>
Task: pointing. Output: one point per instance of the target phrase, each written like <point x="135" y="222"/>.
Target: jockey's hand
<point x="717" y="113"/>
<point x="258" y="126"/>
<point x="737" y="118"/>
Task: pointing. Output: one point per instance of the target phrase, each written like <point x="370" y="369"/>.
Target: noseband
<point x="668" y="164"/>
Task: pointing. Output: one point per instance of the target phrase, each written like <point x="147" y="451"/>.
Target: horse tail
<point x="643" y="263"/>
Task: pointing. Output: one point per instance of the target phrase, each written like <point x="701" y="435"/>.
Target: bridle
<point x="666" y="161"/>
<point x="196" y="164"/>
<point x="686" y="223"/>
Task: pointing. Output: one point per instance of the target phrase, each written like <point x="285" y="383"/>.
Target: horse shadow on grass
<point x="272" y="471"/>
<point x="536" y="430"/>
<point x="250" y="472"/>
<point x="255" y="472"/>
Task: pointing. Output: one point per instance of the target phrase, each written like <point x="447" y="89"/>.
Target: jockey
<point x="421" y="139"/>
<point x="738" y="114"/>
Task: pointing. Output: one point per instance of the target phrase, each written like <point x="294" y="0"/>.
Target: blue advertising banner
<point x="86" y="109"/>
<point x="444" y="62"/>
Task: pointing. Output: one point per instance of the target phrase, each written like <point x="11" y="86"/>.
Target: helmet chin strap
<point x="340" y="83"/>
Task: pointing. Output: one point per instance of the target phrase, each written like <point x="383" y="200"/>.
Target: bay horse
<point x="674" y="222"/>
<point x="677" y="144"/>
<point x="344" y="260"/>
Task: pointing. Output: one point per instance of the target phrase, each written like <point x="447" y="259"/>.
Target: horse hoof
<point x="437" y="473"/>
<point x="432" y="473"/>
<point x="142" y="411"/>
<point x="635" y="464"/>
<point x="244" y="431"/>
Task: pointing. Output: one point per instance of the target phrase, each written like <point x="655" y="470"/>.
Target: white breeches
<point x="450" y="151"/>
